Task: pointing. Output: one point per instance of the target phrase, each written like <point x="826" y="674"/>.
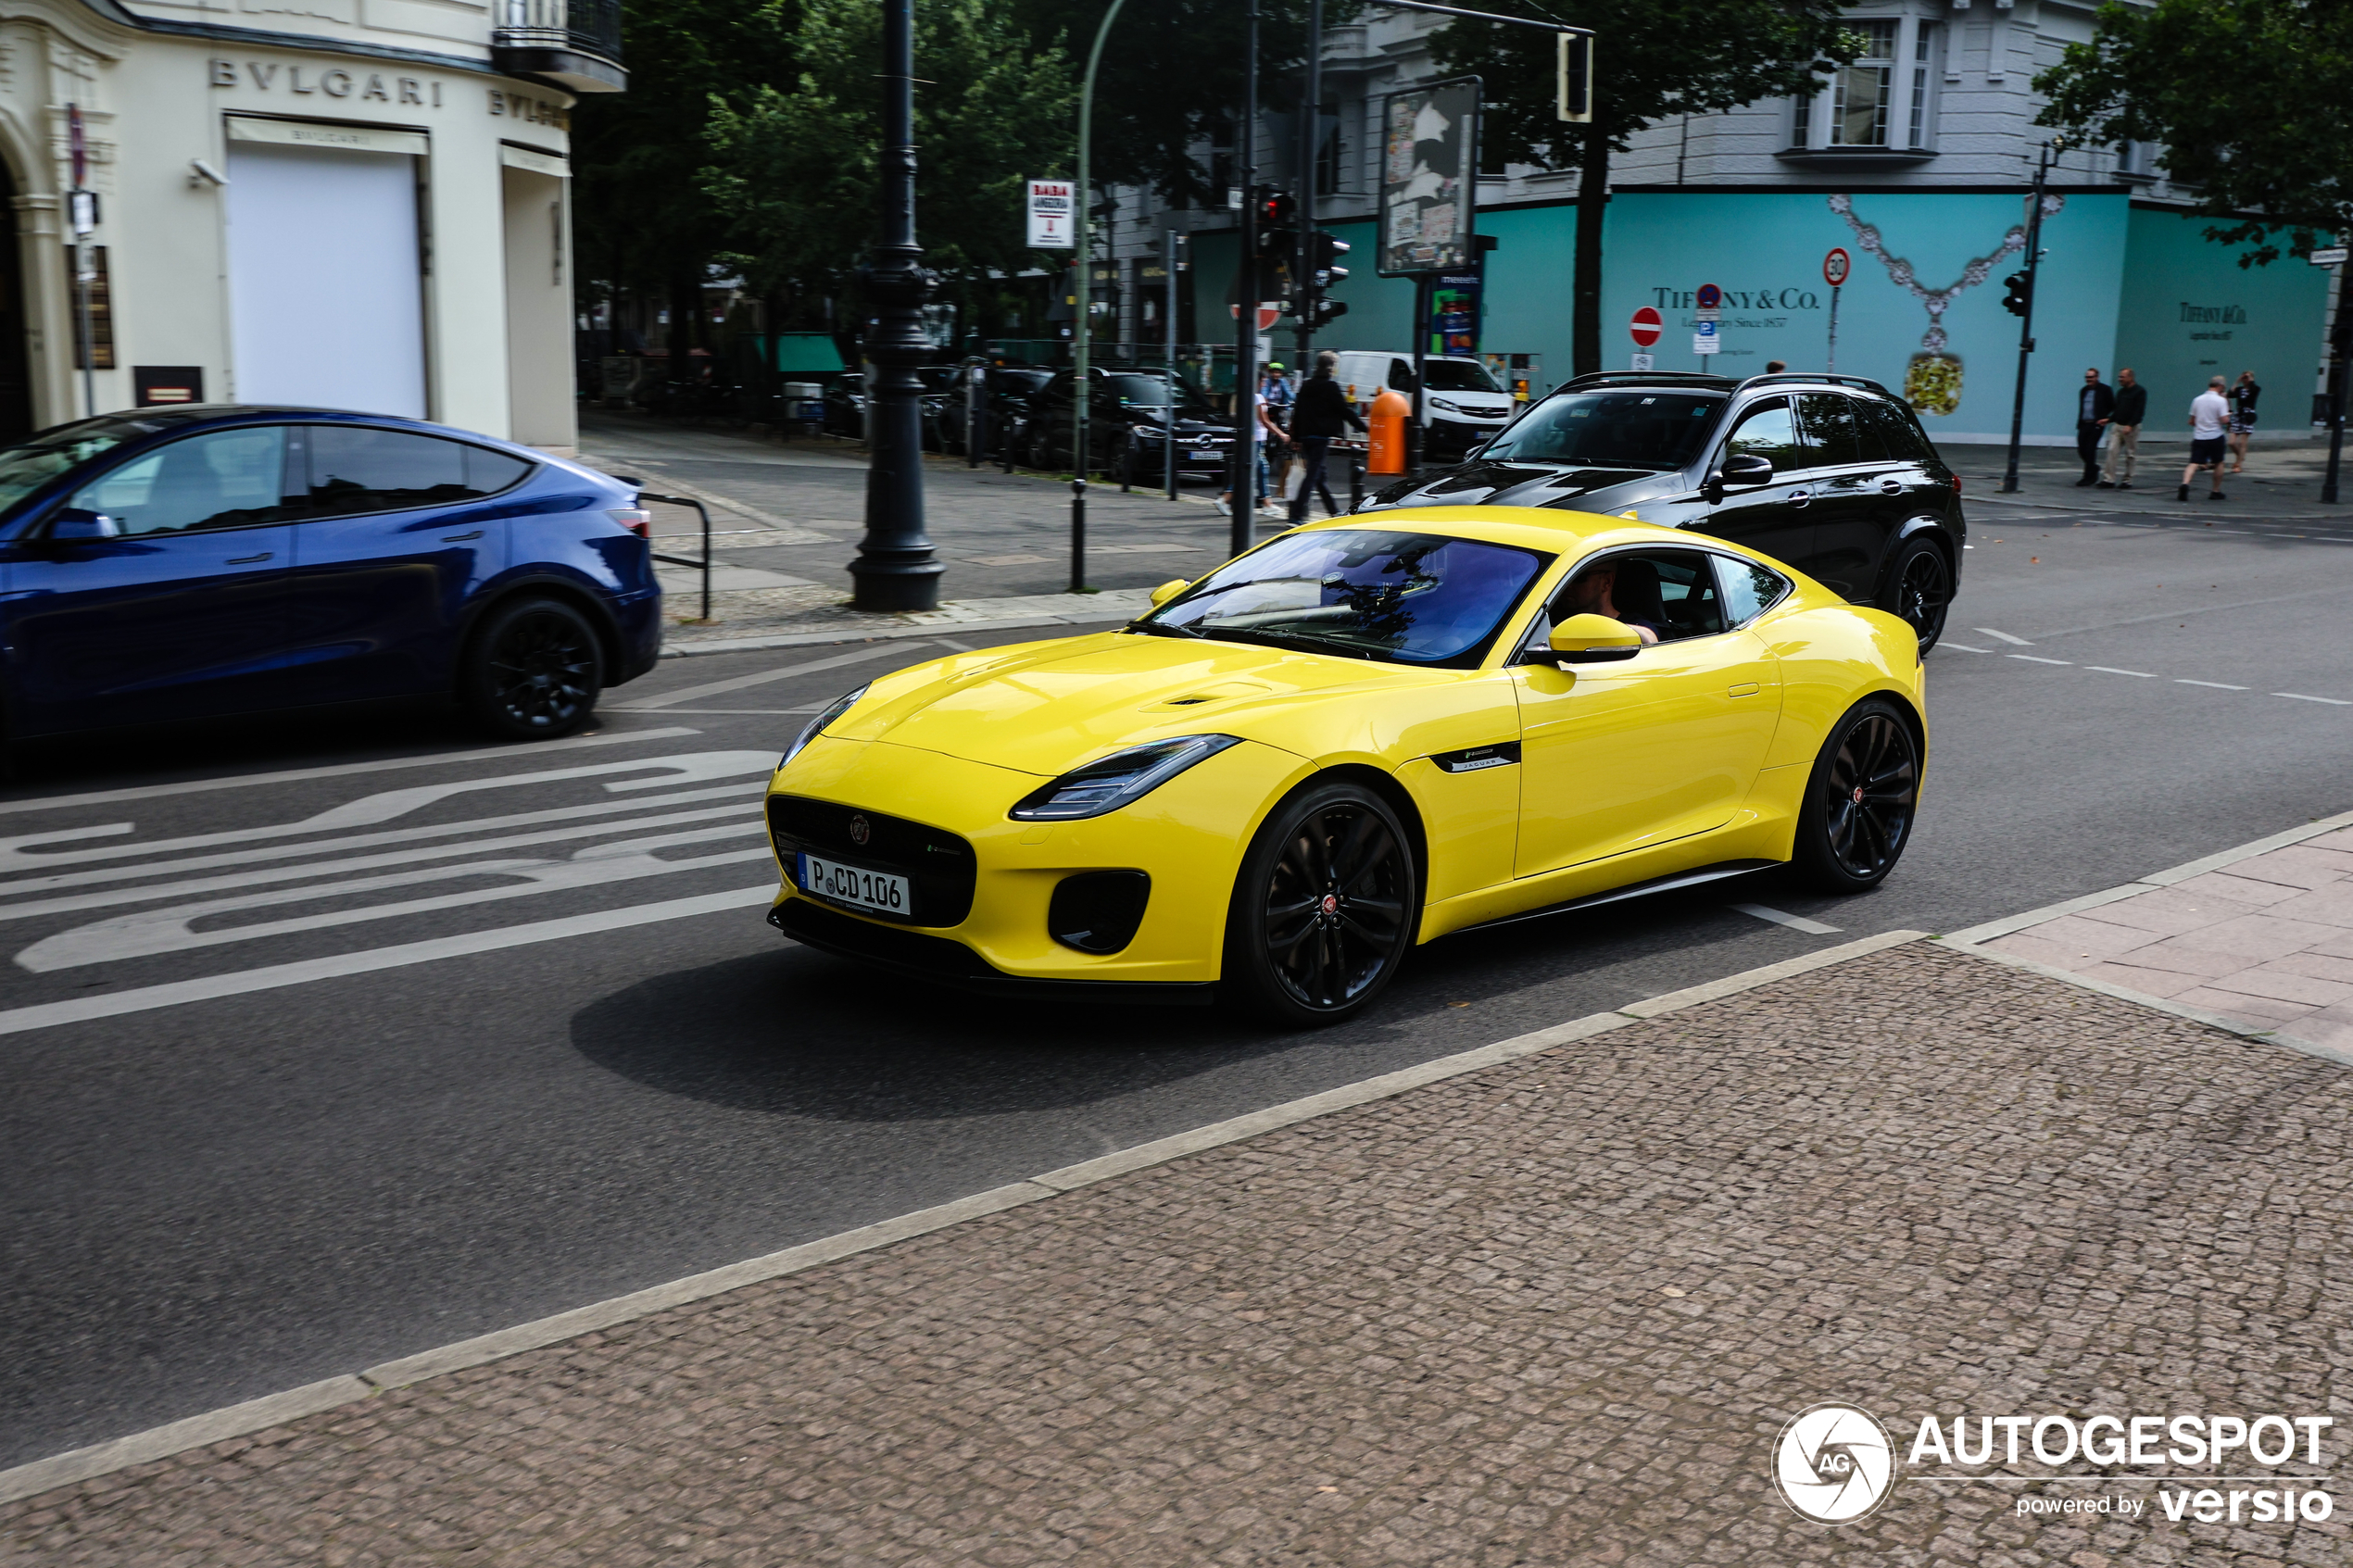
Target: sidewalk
<point x="786" y="520"/>
<point x="1551" y="1310"/>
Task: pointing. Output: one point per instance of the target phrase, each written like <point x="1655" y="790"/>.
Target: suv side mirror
<point x="1747" y="468"/>
<point x="73" y="523"/>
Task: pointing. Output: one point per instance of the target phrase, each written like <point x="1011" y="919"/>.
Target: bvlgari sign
<point x="277" y="77"/>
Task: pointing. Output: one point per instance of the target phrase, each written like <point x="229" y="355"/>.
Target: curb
<point x="273" y="1410"/>
<point x="853" y="634"/>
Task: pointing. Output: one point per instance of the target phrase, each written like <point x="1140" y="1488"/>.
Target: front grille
<point x="939" y="867"/>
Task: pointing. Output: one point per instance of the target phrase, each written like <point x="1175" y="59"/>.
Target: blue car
<point x="181" y="563"/>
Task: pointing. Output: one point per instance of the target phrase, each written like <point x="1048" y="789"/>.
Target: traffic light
<point x="1277" y="244"/>
<point x="2022" y="295"/>
<point x="1324" y="252"/>
<point x="1323" y="312"/>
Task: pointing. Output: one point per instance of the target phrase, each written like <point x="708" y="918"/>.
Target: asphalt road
<point x="328" y="1043"/>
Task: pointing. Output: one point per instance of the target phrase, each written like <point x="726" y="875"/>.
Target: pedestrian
<point x="1275" y="384"/>
<point x="2243" y="398"/>
<point x="1775" y="367"/>
<point x="2125" y="430"/>
<point x="1258" y="428"/>
<point x="1321" y="415"/>
<point x="2210" y="413"/>
<point x="2092" y="409"/>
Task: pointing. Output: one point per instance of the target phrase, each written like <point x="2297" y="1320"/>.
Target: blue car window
<point x="1412" y="599"/>
<point x="222" y="479"/>
<point x="356" y="468"/>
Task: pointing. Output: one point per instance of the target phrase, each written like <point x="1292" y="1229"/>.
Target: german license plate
<point x="855" y="886"/>
<point x="1204" y="456"/>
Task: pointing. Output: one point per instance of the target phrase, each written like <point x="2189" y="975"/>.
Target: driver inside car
<point x="1595" y="591"/>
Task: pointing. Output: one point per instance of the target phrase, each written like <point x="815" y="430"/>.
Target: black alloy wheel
<point x="1860" y="800"/>
<point x="1325" y="909"/>
<point x="535" y="672"/>
<point x="1919" y="590"/>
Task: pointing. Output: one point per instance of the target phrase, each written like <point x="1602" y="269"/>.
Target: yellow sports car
<point x="1359" y="737"/>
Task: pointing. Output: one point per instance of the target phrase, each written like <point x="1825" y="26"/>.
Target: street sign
<point x="2333" y="256"/>
<point x="1709" y="297"/>
<point x="1053" y="204"/>
<point x="1705" y="341"/>
<point x="1645" y="327"/>
<point x="1429" y="172"/>
<point x="1641" y="362"/>
<point x="78" y="145"/>
<point x="1835" y="266"/>
<point x="81" y="209"/>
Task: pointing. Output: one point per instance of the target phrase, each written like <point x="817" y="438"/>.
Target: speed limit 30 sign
<point x="1835" y="266"/>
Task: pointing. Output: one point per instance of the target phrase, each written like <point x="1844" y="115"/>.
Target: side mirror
<point x="1168" y="590"/>
<point x="1595" y="639"/>
<point x="74" y="524"/>
<point x="1747" y="468"/>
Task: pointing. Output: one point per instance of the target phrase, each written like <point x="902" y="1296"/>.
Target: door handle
<point x="246" y="560"/>
<point x="1744" y="688"/>
<point x="1800" y="497"/>
<point x="1891" y="487"/>
<point x="460" y="538"/>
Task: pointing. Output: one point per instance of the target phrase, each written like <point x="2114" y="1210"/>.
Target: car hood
<point x="1516" y="485"/>
<point x="1047" y="707"/>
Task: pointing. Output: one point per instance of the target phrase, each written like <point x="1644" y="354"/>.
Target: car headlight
<point x="1441" y="403"/>
<point x="1111" y="781"/>
<point x="816" y="726"/>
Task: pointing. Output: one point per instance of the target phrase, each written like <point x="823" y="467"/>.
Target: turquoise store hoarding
<point x="2191" y="311"/>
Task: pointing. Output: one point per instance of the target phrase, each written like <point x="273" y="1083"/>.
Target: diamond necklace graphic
<point x="1976" y="272"/>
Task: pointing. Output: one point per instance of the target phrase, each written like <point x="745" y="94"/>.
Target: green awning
<point x="807" y="354"/>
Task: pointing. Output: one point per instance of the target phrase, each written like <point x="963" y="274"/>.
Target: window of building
<point x="1924" y="48"/>
<point x="1862" y="93"/>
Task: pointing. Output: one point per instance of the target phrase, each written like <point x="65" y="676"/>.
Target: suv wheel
<point x="534" y="670"/>
<point x="1919" y="589"/>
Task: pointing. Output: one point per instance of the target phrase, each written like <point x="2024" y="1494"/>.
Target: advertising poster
<point x="1429" y="178"/>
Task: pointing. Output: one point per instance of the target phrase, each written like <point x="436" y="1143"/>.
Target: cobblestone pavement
<point x="1549" y="1313"/>
<point x="2267" y="941"/>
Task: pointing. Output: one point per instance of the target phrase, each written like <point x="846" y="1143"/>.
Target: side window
<point x="1672" y="592"/>
<point x="357" y="469"/>
<point x="1401" y="375"/>
<point x="1750" y="589"/>
<point x="1828" y="418"/>
<point x="1765" y="430"/>
<point x="1893" y="427"/>
<point x="223" y="478"/>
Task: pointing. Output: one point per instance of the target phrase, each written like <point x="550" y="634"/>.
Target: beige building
<point x="357" y="203"/>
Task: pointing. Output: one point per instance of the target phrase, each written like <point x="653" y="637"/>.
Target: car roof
<point x="157" y="420"/>
<point x="1553" y="530"/>
<point x="1694" y="381"/>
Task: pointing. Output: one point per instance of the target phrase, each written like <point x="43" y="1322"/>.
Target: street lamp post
<point x="896" y="568"/>
<point x="1242" y="470"/>
<point x="2026" y="317"/>
<point x="1081" y="393"/>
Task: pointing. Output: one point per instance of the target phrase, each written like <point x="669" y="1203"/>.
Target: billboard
<point x="1430" y="178"/>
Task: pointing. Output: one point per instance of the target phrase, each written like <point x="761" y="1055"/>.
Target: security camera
<point x="203" y="173"/>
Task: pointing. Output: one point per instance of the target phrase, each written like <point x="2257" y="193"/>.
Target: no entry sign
<point x="1835" y="266"/>
<point x="1646" y="326"/>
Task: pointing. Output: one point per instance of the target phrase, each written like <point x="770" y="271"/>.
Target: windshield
<point x="1458" y="375"/>
<point x="1415" y="598"/>
<point x="1634" y="430"/>
<point x="28" y="467"/>
<point x="1139" y="391"/>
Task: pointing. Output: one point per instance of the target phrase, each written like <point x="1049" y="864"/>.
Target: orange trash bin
<point x="1391" y="410"/>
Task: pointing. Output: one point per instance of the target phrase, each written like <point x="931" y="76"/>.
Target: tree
<point x="2252" y="99"/>
<point x="1653" y="59"/>
<point x="794" y="171"/>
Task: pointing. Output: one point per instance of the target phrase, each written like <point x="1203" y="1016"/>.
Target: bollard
<point x="1387" y="453"/>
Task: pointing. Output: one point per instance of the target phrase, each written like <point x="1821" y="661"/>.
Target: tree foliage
<point x="1653" y="59"/>
<point x="2252" y="99"/>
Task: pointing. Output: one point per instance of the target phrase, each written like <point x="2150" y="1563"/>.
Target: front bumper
<point x="1187" y="836"/>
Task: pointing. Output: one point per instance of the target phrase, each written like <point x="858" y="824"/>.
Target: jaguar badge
<point x="860" y="831"/>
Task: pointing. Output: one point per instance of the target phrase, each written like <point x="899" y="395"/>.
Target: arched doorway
<point x="15" y="325"/>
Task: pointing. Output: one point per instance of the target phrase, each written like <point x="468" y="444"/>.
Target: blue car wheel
<point x="535" y="672"/>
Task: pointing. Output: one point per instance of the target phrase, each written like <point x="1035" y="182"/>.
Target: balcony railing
<point x="573" y="43"/>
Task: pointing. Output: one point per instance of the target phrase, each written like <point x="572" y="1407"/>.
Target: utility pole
<point x="2340" y="342"/>
<point x="1242" y="467"/>
<point x="2026" y="317"/>
<point x="1304" y="295"/>
<point x="1082" y="391"/>
<point x="896" y="568"/>
<point x="1170" y="240"/>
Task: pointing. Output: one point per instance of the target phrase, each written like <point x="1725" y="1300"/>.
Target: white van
<point x="1463" y="407"/>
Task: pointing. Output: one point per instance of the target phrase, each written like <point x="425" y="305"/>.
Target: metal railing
<point x="592" y="26"/>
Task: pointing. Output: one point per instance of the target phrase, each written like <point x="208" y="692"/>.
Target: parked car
<point x="186" y="563"/>
<point x="1005" y="394"/>
<point x="1830" y="474"/>
<point x="1127" y="422"/>
<point x="1462" y="407"/>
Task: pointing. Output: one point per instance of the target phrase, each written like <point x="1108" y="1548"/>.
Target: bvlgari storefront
<point x="356" y="204"/>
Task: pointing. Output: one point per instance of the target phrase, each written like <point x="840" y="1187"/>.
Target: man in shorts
<point x="2210" y="418"/>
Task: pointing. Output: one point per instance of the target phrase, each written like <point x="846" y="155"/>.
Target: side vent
<point x="1097" y="911"/>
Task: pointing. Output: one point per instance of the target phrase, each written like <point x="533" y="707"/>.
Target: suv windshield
<point x="1634" y="430"/>
<point x="1414" y="598"/>
<point x="1458" y="375"/>
<point x="1132" y="390"/>
<point x="29" y="466"/>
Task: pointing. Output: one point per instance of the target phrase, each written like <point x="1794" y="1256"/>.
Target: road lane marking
<point x="2299" y="696"/>
<point x="712" y="688"/>
<point x="2111" y="669"/>
<point x="2003" y="636"/>
<point x="2037" y="658"/>
<point x="2218" y="685"/>
<point x="339" y="770"/>
<point x="734" y="792"/>
<point x="1962" y="648"/>
<point x="1796" y="922"/>
<point x="171" y="930"/>
<point x="148" y="892"/>
<point x="693" y="766"/>
<point x="146" y="998"/>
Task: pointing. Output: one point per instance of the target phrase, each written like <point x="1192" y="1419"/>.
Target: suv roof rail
<point x="1650" y="378"/>
<point x="1779" y="378"/>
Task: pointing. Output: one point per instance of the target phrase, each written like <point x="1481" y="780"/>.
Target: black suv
<point x="1126" y="423"/>
<point x="1829" y="473"/>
